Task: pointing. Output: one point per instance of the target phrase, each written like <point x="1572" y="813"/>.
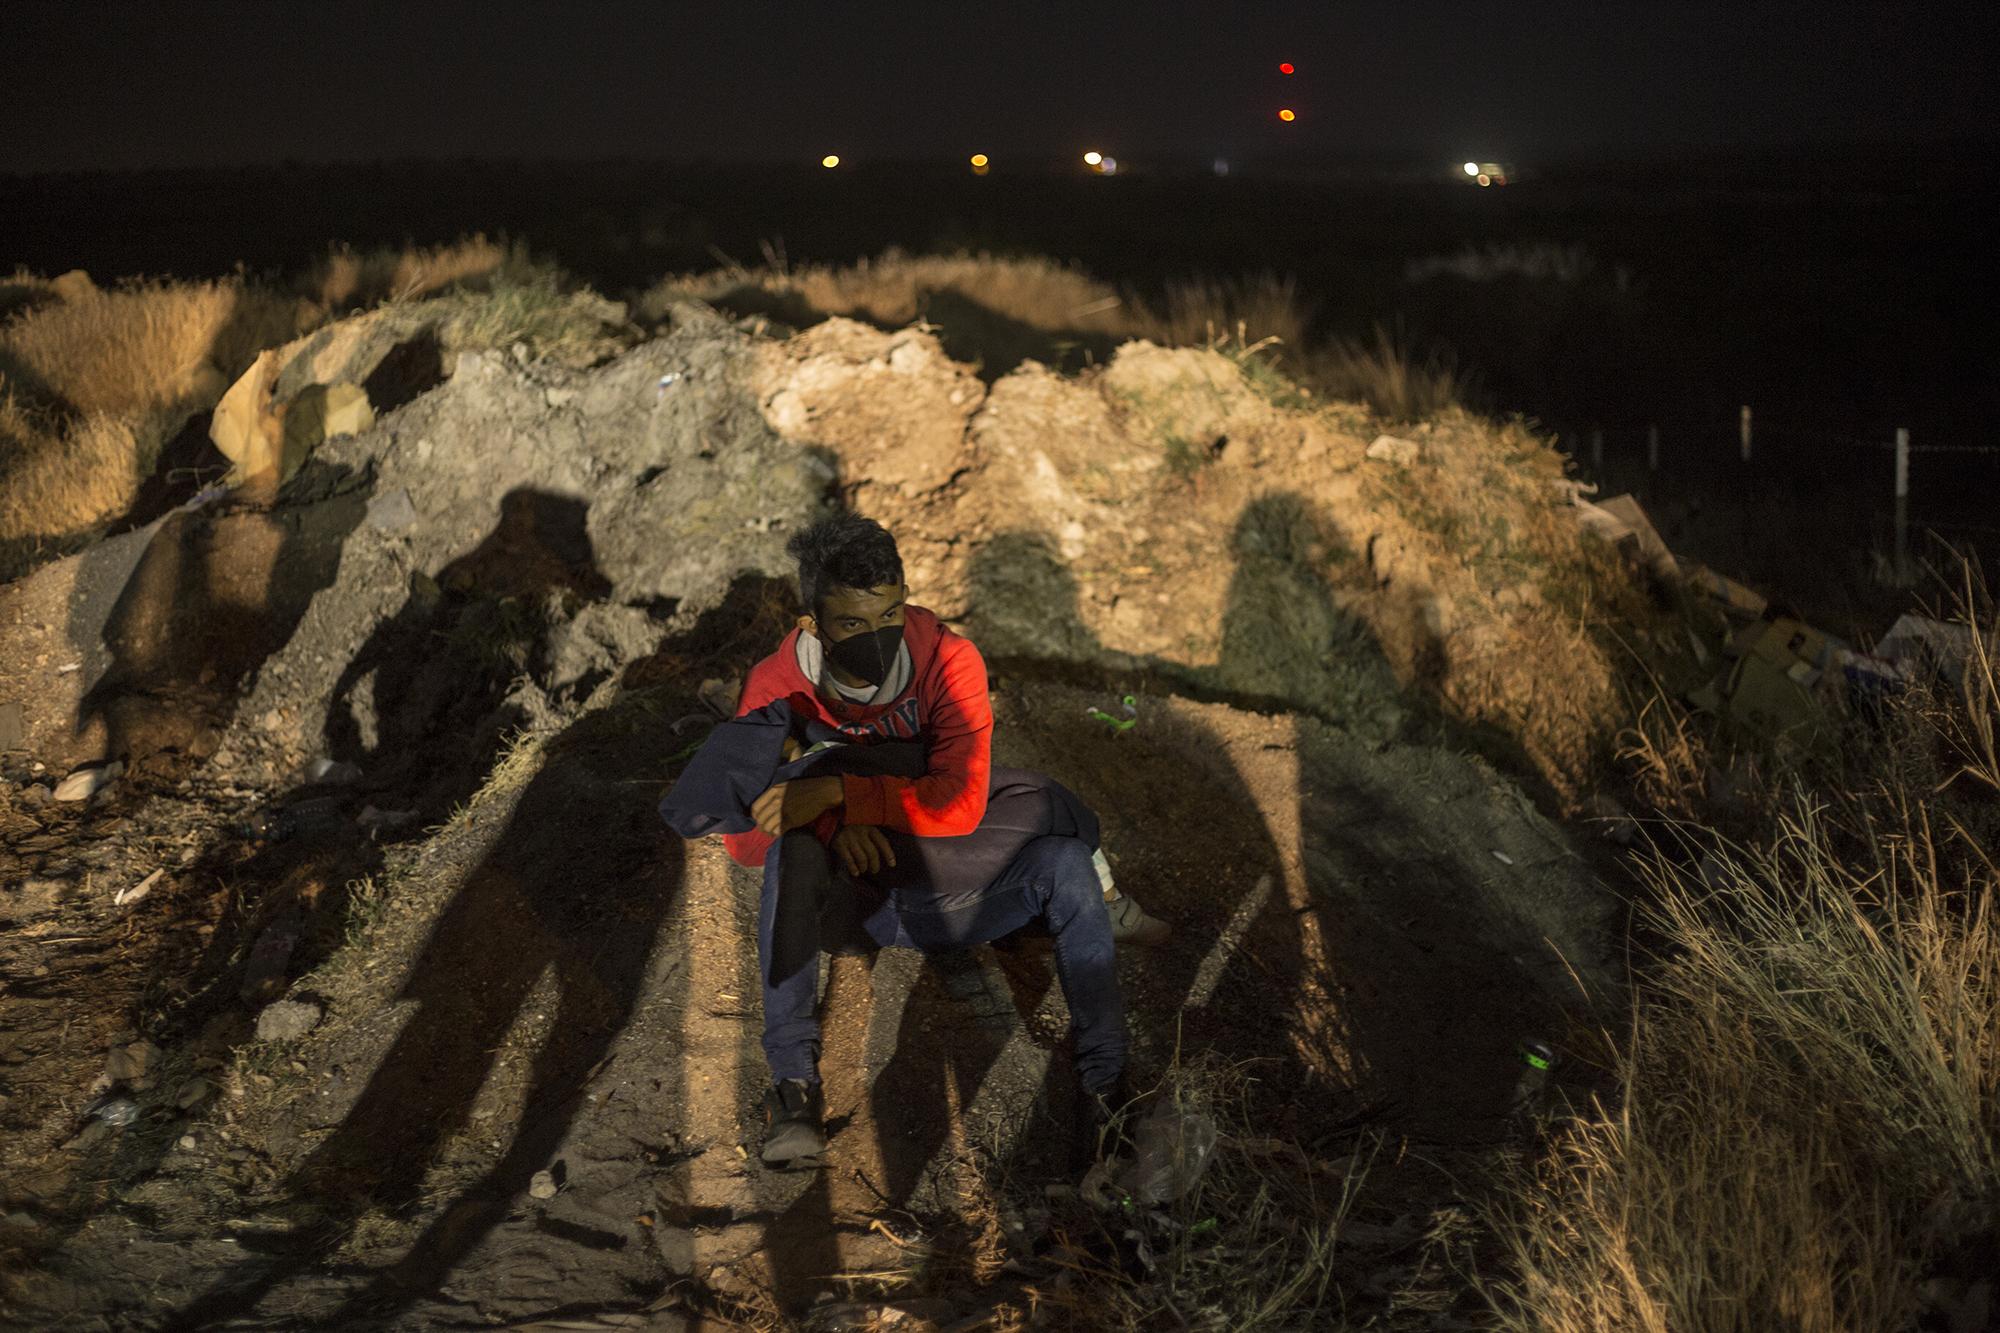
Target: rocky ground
<point x="369" y="989"/>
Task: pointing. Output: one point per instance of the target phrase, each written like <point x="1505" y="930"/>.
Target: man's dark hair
<point x="845" y="551"/>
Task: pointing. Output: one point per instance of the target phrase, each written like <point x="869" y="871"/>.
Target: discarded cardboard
<point x="1919" y="645"/>
<point x="1621" y="522"/>
<point x="320" y="412"/>
<point x="246" y="427"/>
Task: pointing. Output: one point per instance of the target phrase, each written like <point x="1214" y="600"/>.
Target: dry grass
<point x="1257" y="1244"/>
<point x="93" y="386"/>
<point x="896" y="289"/>
<point x="94" y="382"/>
<point x="1806" y="1119"/>
<point x="1807" y="1104"/>
<point x="349" y="279"/>
<point x="998" y="311"/>
<point x="1397" y="384"/>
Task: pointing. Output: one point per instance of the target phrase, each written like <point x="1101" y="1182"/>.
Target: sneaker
<point x="792" y="1131"/>
<point x="1131" y="925"/>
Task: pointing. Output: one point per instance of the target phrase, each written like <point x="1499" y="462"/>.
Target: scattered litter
<point x="87" y="782"/>
<point x="1538" y="1057"/>
<point x="287" y="1019"/>
<point x="1918" y="644"/>
<point x="1390" y="449"/>
<point x="117" y="1111"/>
<point x="542" y="1186"/>
<point x="135" y="892"/>
<point x="69" y="667"/>
<point x="1118" y="725"/>
<point x="1171" y="1148"/>
<point x="1622" y="523"/>
<point x="1503" y="858"/>
<point x="667" y="381"/>
<point x="1774" y="687"/>
<point x="1732" y="595"/>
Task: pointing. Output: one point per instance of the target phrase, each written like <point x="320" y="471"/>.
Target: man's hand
<point x="785" y="806"/>
<point x="863" y="848"/>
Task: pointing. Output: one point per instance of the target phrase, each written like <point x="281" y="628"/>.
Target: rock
<point x="332" y="771"/>
<point x="87" y="782"/>
<point x="392" y="511"/>
<point x="193" y="1093"/>
<point x="287" y="1019"/>
<point x="543" y="1186"/>
<point x="131" y="1061"/>
<point x="35" y="796"/>
<point x="1398" y="452"/>
<point x="13" y="726"/>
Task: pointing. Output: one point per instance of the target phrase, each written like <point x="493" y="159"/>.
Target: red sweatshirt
<point x="945" y="704"/>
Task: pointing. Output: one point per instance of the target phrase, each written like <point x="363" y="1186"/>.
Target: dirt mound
<point x="1209" y="521"/>
<point x="393" y="741"/>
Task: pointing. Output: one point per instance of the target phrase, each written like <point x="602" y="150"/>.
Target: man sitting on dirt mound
<point x="887" y="772"/>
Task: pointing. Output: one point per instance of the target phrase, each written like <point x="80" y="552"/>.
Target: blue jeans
<point x="805" y="907"/>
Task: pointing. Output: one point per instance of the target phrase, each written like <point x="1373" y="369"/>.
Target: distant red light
<point x="1285" y="68"/>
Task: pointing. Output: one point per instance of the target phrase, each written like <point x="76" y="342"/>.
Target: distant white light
<point x="1221" y="165"/>
<point x="1093" y="158"/>
<point x="830" y="160"/>
<point x="1472" y="168"/>
<point x="1109" y="166"/>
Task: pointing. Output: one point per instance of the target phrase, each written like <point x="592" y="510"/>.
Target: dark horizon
<point x="216" y="85"/>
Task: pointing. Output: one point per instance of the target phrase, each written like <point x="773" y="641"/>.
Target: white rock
<point x="1389" y="449"/>
<point x="87" y="782"/>
<point x="543" y="1186"/>
<point x="287" y="1019"/>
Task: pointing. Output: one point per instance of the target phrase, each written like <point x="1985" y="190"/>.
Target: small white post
<point x="1652" y="448"/>
<point x="1902" y="503"/>
<point x="1597" y="450"/>
<point x="1743" y="431"/>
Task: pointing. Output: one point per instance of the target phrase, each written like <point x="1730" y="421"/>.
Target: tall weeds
<point x="1805" y="1123"/>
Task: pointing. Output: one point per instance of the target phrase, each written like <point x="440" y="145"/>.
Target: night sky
<point x="90" y="85"/>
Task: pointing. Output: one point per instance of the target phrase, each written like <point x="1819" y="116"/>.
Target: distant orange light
<point x="1286" y="114"/>
<point x="1285" y="68"/>
<point x="979" y="159"/>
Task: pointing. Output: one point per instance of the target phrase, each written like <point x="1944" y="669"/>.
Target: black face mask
<point x="867" y="656"/>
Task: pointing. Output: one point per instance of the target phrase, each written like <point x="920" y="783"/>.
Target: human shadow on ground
<point x="213" y="593"/>
<point x="575" y="889"/>
<point x="1374" y="969"/>
<point x="1188" y="831"/>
